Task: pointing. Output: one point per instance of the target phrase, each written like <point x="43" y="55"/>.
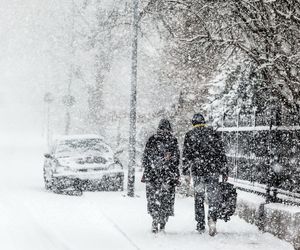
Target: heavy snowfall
<point x="32" y="218"/>
<point x="95" y="95"/>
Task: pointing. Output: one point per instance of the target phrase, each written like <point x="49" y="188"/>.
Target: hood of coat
<point x="164" y="127"/>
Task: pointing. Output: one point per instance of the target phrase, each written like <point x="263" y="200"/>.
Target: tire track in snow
<point x="120" y="231"/>
<point x="86" y="205"/>
<point x="50" y="237"/>
<point x="53" y="242"/>
<point x="90" y="205"/>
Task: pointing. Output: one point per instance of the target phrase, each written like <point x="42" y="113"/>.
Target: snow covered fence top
<point x="280" y="220"/>
<point x="257" y="128"/>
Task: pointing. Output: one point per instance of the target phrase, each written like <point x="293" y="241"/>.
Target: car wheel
<point x="119" y="185"/>
<point x="48" y="180"/>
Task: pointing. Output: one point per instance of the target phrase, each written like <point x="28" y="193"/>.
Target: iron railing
<point x="265" y="160"/>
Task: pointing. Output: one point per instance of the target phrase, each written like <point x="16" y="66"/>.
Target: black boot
<point x="154" y="226"/>
<point x="212" y="227"/>
<point x="200" y="228"/>
<point x="162" y="223"/>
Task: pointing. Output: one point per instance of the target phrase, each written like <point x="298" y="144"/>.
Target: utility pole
<point x="133" y="98"/>
<point x="48" y="99"/>
<point x="68" y="99"/>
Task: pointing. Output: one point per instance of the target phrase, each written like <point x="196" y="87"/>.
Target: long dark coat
<point x="203" y="153"/>
<point x="161" y="173"/>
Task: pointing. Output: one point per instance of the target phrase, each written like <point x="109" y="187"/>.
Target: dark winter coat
<point x="161" y="172"/>
<point x="161" y="159"/>
<point x="203" y="153"/>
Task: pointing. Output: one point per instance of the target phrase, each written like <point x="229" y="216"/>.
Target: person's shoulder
<point x="152" y="138"/>
<point x="212" y="130"/>
<point x="190" y="132"/>
<point x="209" y="129"/>
<point x="214" y="133"/>
<point x="174" y="139"/>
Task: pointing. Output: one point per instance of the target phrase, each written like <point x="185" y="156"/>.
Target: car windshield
<point x="82" y="147"/>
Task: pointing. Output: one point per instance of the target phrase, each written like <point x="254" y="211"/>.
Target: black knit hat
<point x="198" y="119"/>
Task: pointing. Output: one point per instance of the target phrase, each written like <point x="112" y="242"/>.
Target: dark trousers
<point x="160" y="201"/>
<point x="208" y="185"/>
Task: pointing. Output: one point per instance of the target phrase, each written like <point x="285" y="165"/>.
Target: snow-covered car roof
<point x="77" y="137"/>
<point x="71" y="145"/>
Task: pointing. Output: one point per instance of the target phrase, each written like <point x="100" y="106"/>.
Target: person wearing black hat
<point x="204" y="158"/>
<point x="161" y="174"/>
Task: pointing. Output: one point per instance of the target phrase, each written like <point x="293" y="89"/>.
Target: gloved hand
<point x="185" y="188"/>
<point x="175" y="182"/>
<point x="143" y="179"/>
<point x="224" y="178"/>
<point x="187" y="179"/>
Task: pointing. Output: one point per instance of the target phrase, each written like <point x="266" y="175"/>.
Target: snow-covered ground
<point x="32" y="218"/>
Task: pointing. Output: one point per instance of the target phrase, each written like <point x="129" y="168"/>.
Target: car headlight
<point x="60" y="168"/>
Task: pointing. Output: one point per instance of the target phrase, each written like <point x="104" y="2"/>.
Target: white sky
<point x="27" y="67"/>
<point x="24" y="64"/>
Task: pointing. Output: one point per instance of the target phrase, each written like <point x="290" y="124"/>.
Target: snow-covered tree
<point x="208" y="34"/>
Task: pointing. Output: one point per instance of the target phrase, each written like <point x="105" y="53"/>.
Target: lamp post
<point x="69" y="100"/>
<point x="133" y="97"/>
<point x="48" y="99"/>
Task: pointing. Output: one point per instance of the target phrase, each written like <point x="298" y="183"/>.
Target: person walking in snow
<point x="204" y="158"/>
<point x="161" y="174"/>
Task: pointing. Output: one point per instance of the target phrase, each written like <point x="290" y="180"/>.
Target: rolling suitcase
<point x="227" y="201"/>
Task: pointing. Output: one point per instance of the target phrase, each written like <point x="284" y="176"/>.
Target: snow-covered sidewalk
<point x="34" y="219"/>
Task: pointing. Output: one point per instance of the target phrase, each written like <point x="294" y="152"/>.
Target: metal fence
<point x="264" y="155"/>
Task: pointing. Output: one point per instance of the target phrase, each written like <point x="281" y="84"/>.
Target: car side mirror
<point x="117" y="161"/>
<point x="48" y="156"/>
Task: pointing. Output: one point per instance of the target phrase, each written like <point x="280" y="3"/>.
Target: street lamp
<point x="48" y="98"/>
<point x="133" y="97"/>
<point x="68" y="100"/>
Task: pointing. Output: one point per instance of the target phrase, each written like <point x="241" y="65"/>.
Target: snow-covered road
<point x="31" y="218"/>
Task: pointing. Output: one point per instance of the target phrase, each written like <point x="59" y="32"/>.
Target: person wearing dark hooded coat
<point x="161" y="174"/>
<point x="204" y="158"/>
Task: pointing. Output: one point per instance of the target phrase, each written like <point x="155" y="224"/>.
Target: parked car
<point x="83" y="162"/>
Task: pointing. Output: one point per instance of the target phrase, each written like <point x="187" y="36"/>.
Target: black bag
<point x="227" y="201"/>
